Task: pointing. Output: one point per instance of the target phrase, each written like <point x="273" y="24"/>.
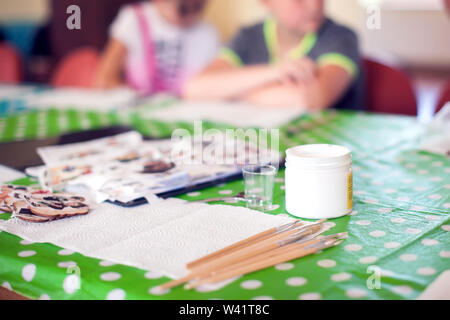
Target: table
<point x="398" y="230"/>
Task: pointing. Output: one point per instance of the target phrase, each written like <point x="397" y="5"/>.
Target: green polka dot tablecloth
<point x="398" y="230"/>
<point x="52" y="122"/>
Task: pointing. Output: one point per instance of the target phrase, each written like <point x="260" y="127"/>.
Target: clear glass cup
<point x="259" y="181"/>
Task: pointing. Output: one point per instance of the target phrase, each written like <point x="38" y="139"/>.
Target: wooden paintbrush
<point x="257" y="263"/>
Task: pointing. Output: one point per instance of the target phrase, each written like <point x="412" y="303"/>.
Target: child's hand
<point x="105" y="82"/>
<point x="297" y="71"/>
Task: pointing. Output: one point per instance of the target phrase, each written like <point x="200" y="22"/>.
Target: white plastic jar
<point x="319" y="181"/>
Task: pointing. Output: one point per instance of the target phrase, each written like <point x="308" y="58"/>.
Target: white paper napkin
<point x="162" y="237"/>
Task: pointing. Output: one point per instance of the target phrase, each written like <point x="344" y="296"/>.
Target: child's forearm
<point x="110" y="66"/>
<point x="229" y="83"/>
<point x="317" y="94"/>
<point x="276" y="95"/>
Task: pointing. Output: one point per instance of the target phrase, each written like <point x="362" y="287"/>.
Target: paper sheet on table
<point x="8" y="174"/>
<point x="12" y="91"/>
<point x="162" y="237"/>
<point x="101" y="100"/>
<point x="240" y="115"/>
<point x="439" y="289"/>
<point x="437" y="136"/>
<point x="93" y="151"/>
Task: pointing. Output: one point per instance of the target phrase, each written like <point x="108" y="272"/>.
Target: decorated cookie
<point x="57" y="197"/>
<point x="7" y="196"/>
<point x="157" y="167"/>
<point x="23" y="212"/>
<point x="128" y="157"/>
<point x="40" y="205"/>
<point x="57" y="209"/>
<point x="30" y="217"/>
<point x="4" y="207"/>
<point x="14" y="196"/>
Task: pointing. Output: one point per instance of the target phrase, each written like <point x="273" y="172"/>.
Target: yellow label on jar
<point x="350" y="191"/>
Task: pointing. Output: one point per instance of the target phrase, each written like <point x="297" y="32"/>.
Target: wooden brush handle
<point x="238" y="245"/>
<point x="228" y="249"/>
<point x="244" y="253"/>
<point x="245" y="269"/>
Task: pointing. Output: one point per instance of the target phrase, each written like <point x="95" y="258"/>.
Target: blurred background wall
<point x="414" y="33"/>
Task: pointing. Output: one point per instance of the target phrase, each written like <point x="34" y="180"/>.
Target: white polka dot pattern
<point x="392" y="245"/>
<point x="367" y="260"/>
<point x="353" y="247"/>
<point x="116" y="294"/>
<point x="430" y="242"/>
<point x="157" y="291"/>
<point x="311" y="296"/>
<point x="402" y="290"/>
<point x="284" y="266"/>
<point x="408" y="257"/>
<point x="28" y="272"/>
<point x="377" y="234"/>
<point x="340" y="277"/>
<point x="251" y="284"/>
<point x="356" y="293"/>
<point x="296" y="281"/>
<point x="326" y="263"/>
<point x="25" y="254"/>
<point x="426" y="271"/>
<point x="71" y="284"/>
<point x="110" y="276"/>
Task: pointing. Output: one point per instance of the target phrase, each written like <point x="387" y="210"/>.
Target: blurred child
<point x="298" y="57"/>
<point x="156" y="45"/>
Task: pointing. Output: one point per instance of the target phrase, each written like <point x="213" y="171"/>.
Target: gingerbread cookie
<point x="128" y="157"/>
<point x="57" y="197"/>
<point x="12" y="197"/>
<point x="58" y="209"/>
<point x="40" y="205"/>
<point x="157" y="167"/>
<point x="5" y="191"/>
<point x="23" y="212"/>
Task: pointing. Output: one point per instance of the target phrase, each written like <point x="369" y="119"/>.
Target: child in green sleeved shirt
<point x="298" y="57"/>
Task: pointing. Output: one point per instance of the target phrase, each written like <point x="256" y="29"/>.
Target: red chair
<point x="10" y="64"/>
<point x="77" y="69"/>
<point x="388" y="90"/>
<point x="444" y="98"/>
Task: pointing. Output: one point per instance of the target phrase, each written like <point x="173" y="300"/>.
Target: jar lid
<point x="319" y="154"/>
